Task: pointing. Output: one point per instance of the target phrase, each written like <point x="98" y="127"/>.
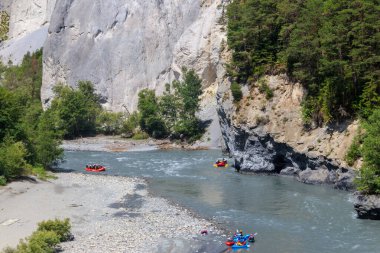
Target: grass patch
<point x="140" y="136"/>
<point x="41" y="173"/>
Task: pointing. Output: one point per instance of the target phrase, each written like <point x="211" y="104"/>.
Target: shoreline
<point x="104" y="143"/>
<point x="107" y="213"/>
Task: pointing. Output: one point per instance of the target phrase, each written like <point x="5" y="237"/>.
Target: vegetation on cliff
<point x="4" y="25"/>
<point x="369" y="149"/>
<point x="174" y="113"/>
<point x="29" y="139"/>
<point x="331" y="47"/>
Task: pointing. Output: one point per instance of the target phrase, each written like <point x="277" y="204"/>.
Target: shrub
<point x="236" y="92"/>
<point x="140" y="136"/>
<point x="130" y="125"/>
<point x="353" y="152"/>
<point x="43" y="242"/>
<point x="369" y="180"/>
<point x="4" y="25"/>
<point x="109" y="123"/>
<point x="3" y="181"/>
<point x="12" y="159"/>
<point x="41" y="173"/>
<point x="264" y="88"/>
<point x="60" y="227"/>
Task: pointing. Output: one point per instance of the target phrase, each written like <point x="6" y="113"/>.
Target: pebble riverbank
<point x="108" y="214"/>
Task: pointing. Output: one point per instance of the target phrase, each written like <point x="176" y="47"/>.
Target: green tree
<point x="150" y="120"/>
<point x="370" y="173"/>
<point x="12" y="159"/>
<point x="76" y="110"/>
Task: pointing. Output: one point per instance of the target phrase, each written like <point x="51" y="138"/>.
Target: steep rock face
<point x="125" y="46"/>
<point x="255" y="137"/>
<point x="28" y="25"/>
<point x="28" y="16"/>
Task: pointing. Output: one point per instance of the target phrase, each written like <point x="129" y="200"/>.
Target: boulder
<point x="367" y="206"/>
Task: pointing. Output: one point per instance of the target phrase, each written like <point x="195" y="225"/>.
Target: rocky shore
<point x="108" y="214"/>
<point x="118" y="144"/>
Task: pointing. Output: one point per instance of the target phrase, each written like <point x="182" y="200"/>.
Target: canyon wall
<point x="28" y="26"/>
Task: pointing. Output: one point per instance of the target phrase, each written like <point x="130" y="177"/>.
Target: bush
<point x="236" y="92"/>
<point x="12" y="159"/>
<point x="60" y="227"/>
<point x="140" y="136"/>
<point x="131" y="124"/>
<point x="3" y="181"/>
<point x="264" y="88"/>
<point x="369" y="180"/>
<point x="48" y="235"/>
<point x="42" y="242"/>
<point x="109" y="123"/>
<point x="4" y="25"/>
<point x="353" y="152"/>
<point x="41" y="173"/>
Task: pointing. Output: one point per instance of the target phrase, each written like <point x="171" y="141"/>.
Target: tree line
<point x="331" y="47"/>
<point x="30" y="137"/>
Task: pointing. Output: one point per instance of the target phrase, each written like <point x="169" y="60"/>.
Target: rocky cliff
<point x="125" y="46"/>
<point x="28" y="25"/>
<point x="266" y="135"/>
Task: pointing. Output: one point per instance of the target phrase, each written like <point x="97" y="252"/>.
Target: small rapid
<point x="287" y="215"/>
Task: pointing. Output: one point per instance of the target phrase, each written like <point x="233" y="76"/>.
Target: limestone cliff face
<point x="125" y="46"/>
<point x="266" y="135"/>
<point x="28" y="16"/>
<point x="28" y="24"/>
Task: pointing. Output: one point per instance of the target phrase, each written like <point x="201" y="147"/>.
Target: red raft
<point x="97" y="168"/>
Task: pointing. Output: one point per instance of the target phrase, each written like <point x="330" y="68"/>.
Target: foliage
<point x="4" y="25"/>
<point x="3" y="181"/>
<point x="174" y="113"/>
<point x="26" y="79"/>
<point x="28" y="136"/>
<point x="109" y="123"/>
<point x="354" y="151"/>
<point x="60" y="227"/>
<point x="150" y="120"/>
<point x="331" y="47"/>
<point x="131" y="124"/>
<point x="236" y="92"/>
<point x="264" y="88"/>
<point x="369" y="180"/>
<point x="75" y="110"/>
<point x="140" y="136"/>
<point x="48" y="235"/>
<point x="12" y="159"/>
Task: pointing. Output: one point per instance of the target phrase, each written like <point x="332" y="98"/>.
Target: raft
<point x="235" y="246"/>
<point x="101" y="168"/>
<point x="220" y="164"/>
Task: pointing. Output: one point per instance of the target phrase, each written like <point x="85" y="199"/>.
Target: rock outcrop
<point x="367" y="206"/>
<point x="126" y="46"/>
<point x="254" y="133"/>
<point x="123" y="47"/>
<point x="28" y="26"/>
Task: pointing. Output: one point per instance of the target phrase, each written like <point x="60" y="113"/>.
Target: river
<point x="287" y="216"/>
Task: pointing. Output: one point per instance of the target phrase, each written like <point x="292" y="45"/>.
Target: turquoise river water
<point x="287" y="215"/>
